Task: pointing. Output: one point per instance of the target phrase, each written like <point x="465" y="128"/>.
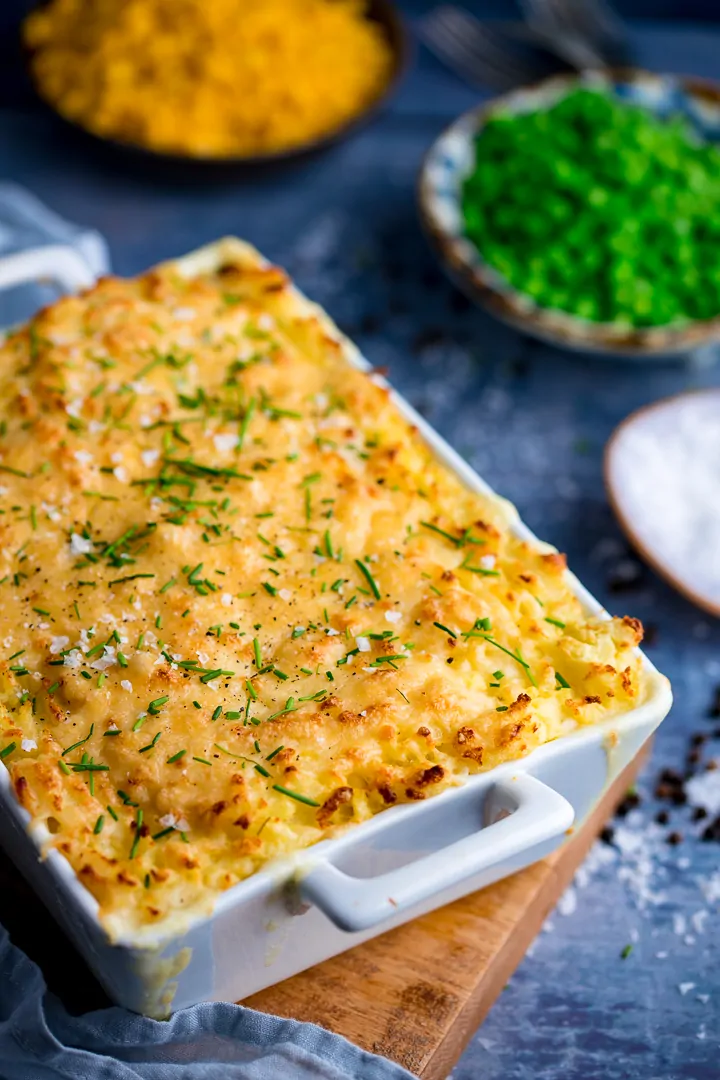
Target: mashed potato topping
<point x="242" y="606"/>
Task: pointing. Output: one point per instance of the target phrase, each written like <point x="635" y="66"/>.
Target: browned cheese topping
<point x="242" y="606"/>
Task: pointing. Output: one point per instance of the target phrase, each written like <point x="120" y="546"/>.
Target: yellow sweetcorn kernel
<point x="209" y="77"/>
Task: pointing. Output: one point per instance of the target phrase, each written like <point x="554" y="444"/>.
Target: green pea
<point x="596" y="207"/>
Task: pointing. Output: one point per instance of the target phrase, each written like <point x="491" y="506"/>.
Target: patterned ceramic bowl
<point x="451" y="159"/>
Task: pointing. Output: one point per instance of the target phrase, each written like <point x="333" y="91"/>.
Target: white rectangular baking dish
<point x="401" y="864"/>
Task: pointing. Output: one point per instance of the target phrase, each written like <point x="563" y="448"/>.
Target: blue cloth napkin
<point x="39" y="1039"/>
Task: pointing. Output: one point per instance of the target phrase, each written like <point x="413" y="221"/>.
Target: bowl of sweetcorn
<point x="585" y="211"/>
<point x="213" y="85"/>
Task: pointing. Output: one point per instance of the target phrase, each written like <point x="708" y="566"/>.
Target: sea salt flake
<point x="393" y="616"/>
<point x="487" y="562"/>
<point x="126" y="685"/>
<point x="57" y="644"/>
<point x="225" y="442"/>
<point x="284" y="594"/>
<point x="567" y="903"/>
<point x="79" y="545"/>
<point x="704" y="790"/>
<point x="107" y="660"/>
<point x="226" y="599"/>
<point x="28" y="745"/>
<point x="363" y="644"/>
<point x="83" y="456"/>
<point x="686" y="987"/>
<point x="120" y="473"/>
<point x="149" y="457"/>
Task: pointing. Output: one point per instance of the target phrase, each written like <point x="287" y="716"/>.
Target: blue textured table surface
<point x="533" y="422"/>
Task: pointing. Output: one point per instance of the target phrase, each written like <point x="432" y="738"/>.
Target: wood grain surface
<point x="415" y="995"/>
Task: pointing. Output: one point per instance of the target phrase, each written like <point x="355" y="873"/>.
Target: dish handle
<point x="520" y="812"/>
<point x="58" y="263"/>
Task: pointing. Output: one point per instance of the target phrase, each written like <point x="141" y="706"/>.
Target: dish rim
<point x="658" y="696"/>
<point x="486" y="286"/>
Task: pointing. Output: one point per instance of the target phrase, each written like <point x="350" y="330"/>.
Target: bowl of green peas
<point x="585" y="211"/>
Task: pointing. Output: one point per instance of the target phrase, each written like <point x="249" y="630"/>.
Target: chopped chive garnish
<point x="150" y="745"/>
<point x="176" y="757"/>
<point x="369" y="578"/>
<point x="562" y="683"/>
<point x="274" y="753"/>
<point x="445" y="629"/>
<point x="155" y="706"/>
<point x="80" y="742"/>
<point x="217" y="712"/>
<point x="99" y="824"/>
<point x="295" y="795"/>
<point x="202" y="760"/>
<point x="112" y="813"/>
<point x="163" y="832"/>
<point x="441" y="532"/>
<point x="208" y="676"/>
<point x="129" y="577"/>
<point x="262" y="770"/>
<point x="555" y="622"/>
<point x="7" y="750"/>
<point x="257" y="653"/>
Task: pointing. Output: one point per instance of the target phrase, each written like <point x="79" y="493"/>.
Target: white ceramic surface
<point x="401" y="864"/>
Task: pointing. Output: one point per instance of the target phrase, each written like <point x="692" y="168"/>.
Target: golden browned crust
<point x="241" y="604"/>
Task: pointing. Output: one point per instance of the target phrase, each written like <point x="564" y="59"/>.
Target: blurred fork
<point x="587" y="33"/>
<point x="486" y="55"/>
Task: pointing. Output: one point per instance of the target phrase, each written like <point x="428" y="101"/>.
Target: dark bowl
<point x="191" y="167"/>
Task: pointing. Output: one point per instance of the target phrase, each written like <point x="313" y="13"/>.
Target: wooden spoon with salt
<point x="662" y="474"/>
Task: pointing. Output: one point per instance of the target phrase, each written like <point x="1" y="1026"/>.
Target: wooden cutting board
<point x="416" y="994"/>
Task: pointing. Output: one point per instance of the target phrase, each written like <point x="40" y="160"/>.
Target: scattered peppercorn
<point x="596" y="207"/>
